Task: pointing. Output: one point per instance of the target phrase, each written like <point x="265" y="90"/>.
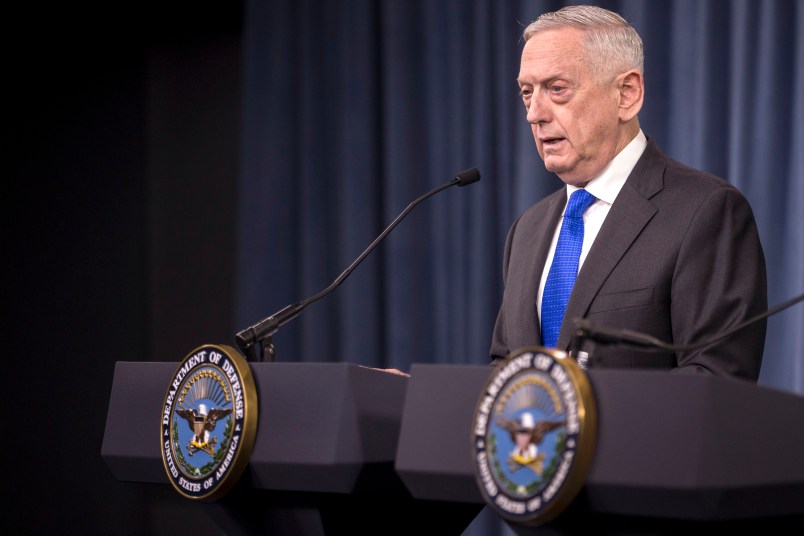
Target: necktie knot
<point x="579" y="201"/>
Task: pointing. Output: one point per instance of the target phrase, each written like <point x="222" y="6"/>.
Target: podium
<point x="673" y="450"/>
<point x="342" y="449"/>
<point x="323" y="458"/>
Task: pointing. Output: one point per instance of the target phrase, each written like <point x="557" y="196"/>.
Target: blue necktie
<point x="564" y="269"/>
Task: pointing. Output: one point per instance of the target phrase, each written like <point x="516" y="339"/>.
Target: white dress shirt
<point x="605" y="188"/>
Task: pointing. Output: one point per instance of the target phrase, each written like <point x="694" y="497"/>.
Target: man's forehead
<point x="550" y="54"/>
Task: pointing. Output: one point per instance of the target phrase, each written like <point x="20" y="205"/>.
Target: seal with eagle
<point x="202" y="422"/>
<point x="526" y="434"/>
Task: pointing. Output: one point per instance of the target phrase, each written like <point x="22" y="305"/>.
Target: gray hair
<point x="611" y="44"/>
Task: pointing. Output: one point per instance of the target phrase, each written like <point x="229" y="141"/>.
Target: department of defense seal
<point x="534" y="435"/>
<point x="209" y="421"/>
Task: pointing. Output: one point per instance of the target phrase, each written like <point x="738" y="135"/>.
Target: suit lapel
<point x="629" y="214"/>
<point x="536" y="230"/>
<point x="546" y="231"/>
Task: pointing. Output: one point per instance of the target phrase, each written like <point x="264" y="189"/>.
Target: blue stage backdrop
<point x="354" y="108"/>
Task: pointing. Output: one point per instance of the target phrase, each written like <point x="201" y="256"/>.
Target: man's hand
<point x="389" y="370"/>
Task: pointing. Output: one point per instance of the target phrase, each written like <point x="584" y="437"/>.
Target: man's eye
<point x="557" y="89"/>
<point x="525" y="93"/>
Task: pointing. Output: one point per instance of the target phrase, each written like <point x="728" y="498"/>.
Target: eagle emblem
<point x="527" y="435"/>
<point x="201" y="423"/>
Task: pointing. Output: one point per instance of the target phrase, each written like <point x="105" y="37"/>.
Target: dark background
<point x="125" y="156"/>
<point x="104" y="99"/>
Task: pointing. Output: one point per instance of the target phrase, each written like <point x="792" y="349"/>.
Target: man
<point x="668" y="251"/>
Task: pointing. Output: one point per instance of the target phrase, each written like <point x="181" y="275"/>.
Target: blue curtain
<point x="354" y="108"/>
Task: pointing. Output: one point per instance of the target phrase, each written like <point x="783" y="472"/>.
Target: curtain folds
<point x="354" y="108"/>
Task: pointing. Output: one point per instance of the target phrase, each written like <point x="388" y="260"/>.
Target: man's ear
<point x="631" y="86"/>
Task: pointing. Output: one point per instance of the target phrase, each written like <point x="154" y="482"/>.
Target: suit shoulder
<point x="657" y="172"/>
<point x="699" y="178"/>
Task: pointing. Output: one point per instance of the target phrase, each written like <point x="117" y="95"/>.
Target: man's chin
<point x="568" y="174"/>
<point x="556" y="165"/>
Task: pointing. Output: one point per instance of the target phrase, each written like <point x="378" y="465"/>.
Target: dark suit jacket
<point x="678" y="257"/>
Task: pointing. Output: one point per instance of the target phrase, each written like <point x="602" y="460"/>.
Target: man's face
<point x="574" y="118"/>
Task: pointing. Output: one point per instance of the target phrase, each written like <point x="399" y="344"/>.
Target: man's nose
<point x="538" y="110"/>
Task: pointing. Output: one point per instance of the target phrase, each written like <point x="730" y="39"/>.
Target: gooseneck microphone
<point x="261" y="332"/>
<point x="584" y="329"/>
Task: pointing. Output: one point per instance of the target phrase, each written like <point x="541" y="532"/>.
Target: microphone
<point x="584" y="329"/>
<point x="248" y="338"/>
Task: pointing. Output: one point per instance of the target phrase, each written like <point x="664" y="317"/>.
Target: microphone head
<point x="468" y="176"/>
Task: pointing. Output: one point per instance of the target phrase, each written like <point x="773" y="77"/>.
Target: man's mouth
<point x="551" y="141"/>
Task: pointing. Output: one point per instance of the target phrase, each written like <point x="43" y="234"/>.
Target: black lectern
<point x="673" y="450"/>
<point x="323" y="458"/>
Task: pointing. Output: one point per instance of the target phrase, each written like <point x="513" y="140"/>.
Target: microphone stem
<point x="377" y="240"/>
<point x="601" y="334"/>
<point x="250" y="336"/>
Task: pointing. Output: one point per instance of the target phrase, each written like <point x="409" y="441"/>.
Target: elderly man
<point x="645" y="243"/>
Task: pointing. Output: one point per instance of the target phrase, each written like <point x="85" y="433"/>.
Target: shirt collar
<point x="607" y="185"/>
